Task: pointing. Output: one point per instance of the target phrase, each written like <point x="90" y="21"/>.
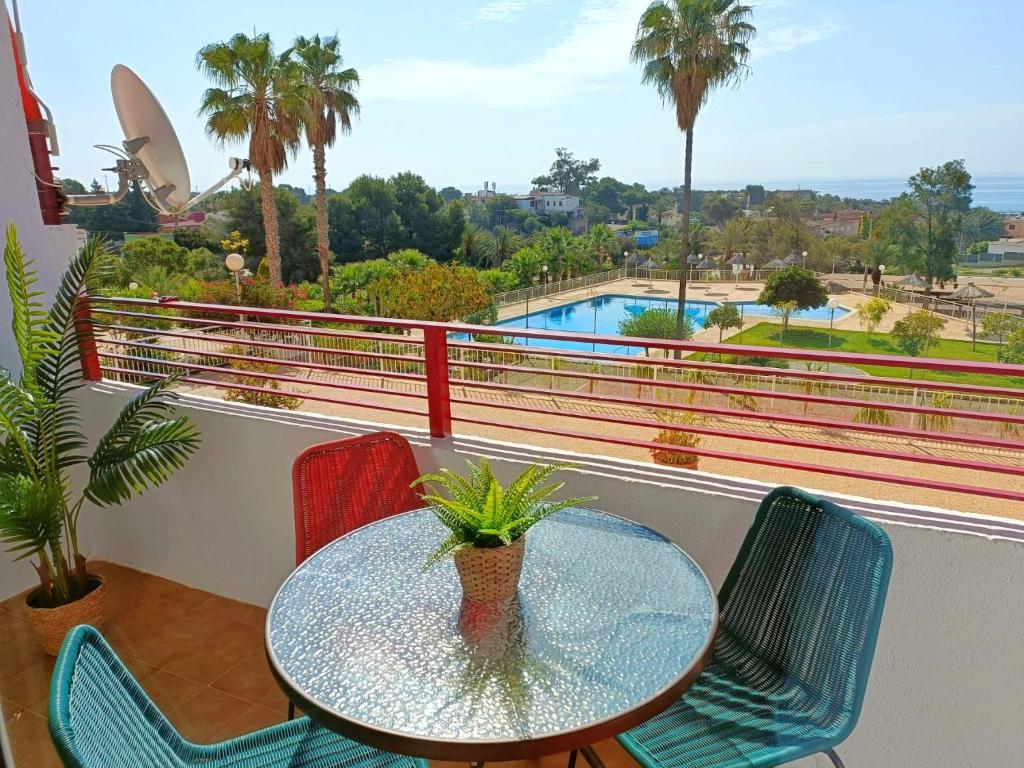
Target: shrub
<point x="264" y="398"/>
<point x="677" y="438"/>
<point x="871" y="312"/>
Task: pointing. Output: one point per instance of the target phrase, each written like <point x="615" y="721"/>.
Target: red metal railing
<point x="837" y="423"/>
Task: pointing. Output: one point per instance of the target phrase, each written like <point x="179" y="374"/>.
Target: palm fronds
<point x="40" y="428"/>
<point x="480" y="513"/>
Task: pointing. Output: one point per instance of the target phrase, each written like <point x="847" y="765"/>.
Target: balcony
<point x="193" y="563"/>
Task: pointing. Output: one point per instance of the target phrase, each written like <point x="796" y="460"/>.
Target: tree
<point x="916" y="332"/>
<point x="331" y="105"/>
<point x="139" y="255"/>
<point x="257" y="96"/>
<point x="943" y="196"/>
<point x="554" y="245"/>
<point x="719" y="209"/>
<point x="604" y="245"/>
<point x="439" y="292"/>
<point x="450" y="194"/>
<point x="723" y="318"/>
<point x="732" y="238"/>
<point x="476" y="247"/>
<point x="525" y="264"/>
<point x="567" y="174"/>
<point x="505" y="244"/>
<point x="656" y="324"/>
<point x="982" y="225"/>
<point x="296" y="231"/>
<point x="871" y="312"/>
<point x="689" y="48"/>
<point x="1013" y="352"/>
<point x="999" y="325"/>
<point x="754" y="194"/>
<point x="791" y="289"/>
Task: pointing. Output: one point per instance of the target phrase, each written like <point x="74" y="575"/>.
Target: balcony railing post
<point x="88" y="353"/>
<point x="439" y="404"/>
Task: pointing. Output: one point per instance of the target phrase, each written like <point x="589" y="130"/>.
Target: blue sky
<point x="462" y="90"/>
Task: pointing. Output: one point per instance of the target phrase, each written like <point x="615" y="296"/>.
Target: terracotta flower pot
<point x="675" y="459"/>
<point x="491" y="575"/>
<point x="52" y="624"/>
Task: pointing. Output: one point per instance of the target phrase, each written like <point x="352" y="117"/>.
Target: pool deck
<point x="721" y="292"/>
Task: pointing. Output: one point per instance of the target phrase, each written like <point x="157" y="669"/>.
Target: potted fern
<point x="41" y="442"/>
<point x="488" y="523"/>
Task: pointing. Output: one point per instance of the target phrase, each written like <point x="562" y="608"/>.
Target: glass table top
<point x="609" y="617"/>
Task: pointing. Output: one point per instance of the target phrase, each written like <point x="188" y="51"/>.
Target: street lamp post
<point x="832" y="305"/>
<point x="235" y="263"/>
<point x="625" y="263"/>
<point x="804" y="254"/>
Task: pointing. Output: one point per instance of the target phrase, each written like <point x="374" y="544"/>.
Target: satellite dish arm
<point x="237" y="166"/>
<point x="105" y="198"/>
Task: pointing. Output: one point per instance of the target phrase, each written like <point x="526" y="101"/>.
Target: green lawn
<point x="767" y="335"/>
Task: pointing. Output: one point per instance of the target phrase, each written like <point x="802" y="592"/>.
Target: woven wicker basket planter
<point x="675" y="459"/>
<point x="52" y="624"/>
<point x="491" y="575"/>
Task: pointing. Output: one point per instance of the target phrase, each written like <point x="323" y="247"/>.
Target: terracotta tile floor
<point x="198" y="655"/>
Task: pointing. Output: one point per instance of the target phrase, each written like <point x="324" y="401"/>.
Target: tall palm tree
<point x="689" y="48"/>
<point x="332" y="104"/>
<point x="257" y="96"/>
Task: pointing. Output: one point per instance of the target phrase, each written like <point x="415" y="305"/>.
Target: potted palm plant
<point x="488" y="523"/>
<point x="42" y="441"/>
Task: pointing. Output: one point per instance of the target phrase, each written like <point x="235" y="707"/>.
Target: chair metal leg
<point x="591" y="757"/>
<point x="291" y="711"/>
<point x="831" y="754"/>
<point x="572" y="759"/>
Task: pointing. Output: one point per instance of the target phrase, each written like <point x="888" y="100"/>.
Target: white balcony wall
<point x="946" y="683"/>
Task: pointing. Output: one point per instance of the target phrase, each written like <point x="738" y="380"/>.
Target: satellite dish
<point x="151" y="153"/>
<point x="141" y="116"/>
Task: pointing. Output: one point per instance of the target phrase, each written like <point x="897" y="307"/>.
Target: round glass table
<point x="612" y="623"/>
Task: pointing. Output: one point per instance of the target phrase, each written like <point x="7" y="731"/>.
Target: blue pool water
<point x="602" y="315"/>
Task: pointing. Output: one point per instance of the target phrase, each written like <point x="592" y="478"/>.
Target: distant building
<point x="1013" y="226"/>
<point x="845" y="223"/>
<point x="1000" y="251"/>
<point x="542" y="201"/>
<point x="490" y="190"/>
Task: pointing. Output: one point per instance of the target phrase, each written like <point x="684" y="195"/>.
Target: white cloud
<point x="595" y="48"/>
<point x="782" y="36"/>
<point x="592" y="53"/>
<point x="502" y="11"/>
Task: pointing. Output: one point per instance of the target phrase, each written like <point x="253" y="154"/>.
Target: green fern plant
<point x="41" y="438"/>
<point x="480" y="513"/>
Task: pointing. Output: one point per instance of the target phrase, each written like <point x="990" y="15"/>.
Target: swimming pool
<point x="602" y="315"/>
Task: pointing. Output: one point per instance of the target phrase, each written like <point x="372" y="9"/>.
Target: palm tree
<point x="689" y="48"/>
<point x="732" y="238"/>
<point x="605" y="244"/>
<point x="257" y="96"/>
<point x="331" y="105"/>
<point x="505" y="244"/>
<point x="476" y="247"/>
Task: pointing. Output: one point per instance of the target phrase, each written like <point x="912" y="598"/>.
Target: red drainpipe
<point x="51" y="199"/>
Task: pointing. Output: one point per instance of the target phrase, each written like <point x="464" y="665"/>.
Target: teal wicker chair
<point x="800" y="612"/>
<point x="101" y="718"/>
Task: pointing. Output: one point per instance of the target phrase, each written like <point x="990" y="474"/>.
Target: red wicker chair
<point x="342" y="485"/>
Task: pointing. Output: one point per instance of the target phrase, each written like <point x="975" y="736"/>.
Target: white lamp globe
<point x="234" y="262"/>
